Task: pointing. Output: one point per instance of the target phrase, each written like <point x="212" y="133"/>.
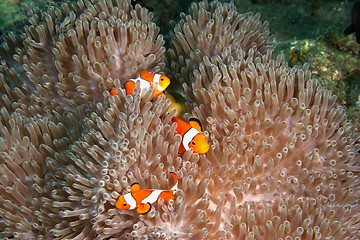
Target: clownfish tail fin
<point x="176" y="181"/>
<point x="129" y="87"/>
<point x="113" y="92"/>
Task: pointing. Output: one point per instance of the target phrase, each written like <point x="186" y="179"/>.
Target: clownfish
<point x="192" y="135"/>
<point x="177" y="102"/>
<point x="146" y="80"/>
<point x="141" y="199"/>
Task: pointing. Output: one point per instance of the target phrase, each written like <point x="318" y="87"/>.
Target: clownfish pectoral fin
<point x="143" y="208"/>
<point x="135" y="187"/>
<point x="195" y="123"/>
<point x="144" y="74"/>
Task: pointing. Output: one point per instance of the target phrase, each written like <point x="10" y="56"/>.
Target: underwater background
<point x="283" y="158"/>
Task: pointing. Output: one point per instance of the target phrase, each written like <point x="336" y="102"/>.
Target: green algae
<point x="12" y="12"/>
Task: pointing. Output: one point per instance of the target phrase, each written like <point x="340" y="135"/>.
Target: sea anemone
<point x="282" y="164"/>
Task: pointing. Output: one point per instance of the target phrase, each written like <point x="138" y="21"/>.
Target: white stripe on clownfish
<point x="189" y="136"/>
<point x="130" y="200"/>
<point x="153" y="197"/>
<point x="156" y="80"/>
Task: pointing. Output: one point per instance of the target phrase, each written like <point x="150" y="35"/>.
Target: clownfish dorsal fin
<point x="135" y="187"/>
<point x="143" y="208"/>
<point x="144" y="74"/>
<point x="195" y="123"/>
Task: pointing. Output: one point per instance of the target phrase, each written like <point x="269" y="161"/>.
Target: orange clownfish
<point x="146" y="80"/>
<point x="192" y="137"/>
<point x="141" y="199"/>
<point x="177" y="102"/>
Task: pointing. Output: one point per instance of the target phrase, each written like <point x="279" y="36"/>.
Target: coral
<point x="283" y="161"/>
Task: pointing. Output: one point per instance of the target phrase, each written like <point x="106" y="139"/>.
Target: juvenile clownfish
<point x="177" y="102"/>
<point x="141" y="199"/>
<point x="192" y="136"/>
<point x="146" y="80"/>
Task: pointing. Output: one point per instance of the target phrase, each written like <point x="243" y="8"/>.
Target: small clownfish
<point x="177" y="102"/>
<point x="192" y="137"/>
<point x="146" y="80"/>
<point x="141" y="199"/>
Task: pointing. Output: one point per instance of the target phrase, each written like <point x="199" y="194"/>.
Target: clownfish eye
<point x="161" y="79"/>
<point x="193" y="143"/>
<point x="124" y="204"/>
